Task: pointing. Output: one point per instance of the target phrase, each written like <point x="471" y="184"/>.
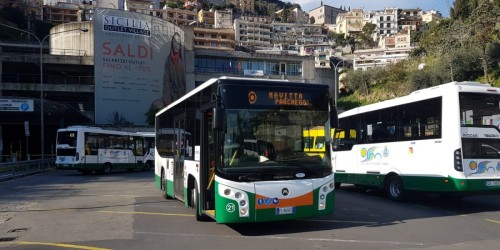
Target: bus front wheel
<point x="395" y="189"/>
<point x="147" y="166"/>
<point x="106" y="168"/>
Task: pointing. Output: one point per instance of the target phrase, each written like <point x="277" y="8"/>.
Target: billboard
<point x="138" y="64"/>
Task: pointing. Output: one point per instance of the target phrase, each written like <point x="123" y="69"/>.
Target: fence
<point x="11" y="170"/>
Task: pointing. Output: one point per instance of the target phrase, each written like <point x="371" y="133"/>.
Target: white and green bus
<point x="207" y="162"/>
<point x="93" y="149"/>
<point x="443" y="140"/>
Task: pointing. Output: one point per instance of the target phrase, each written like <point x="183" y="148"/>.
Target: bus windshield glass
<point x="263" y="142"/>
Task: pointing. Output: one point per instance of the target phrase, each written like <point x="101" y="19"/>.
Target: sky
<point x="442" y="6"/>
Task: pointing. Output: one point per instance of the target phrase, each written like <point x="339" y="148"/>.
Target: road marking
<point x="53" y="245"/>
<point x="287" y="238"/>
<point x="147" y="213"/>
<point x="341" y="221"/>
<point x="494" y="221"/>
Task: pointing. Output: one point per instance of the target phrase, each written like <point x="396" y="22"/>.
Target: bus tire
<point x="164" y="186"/>
<point x="106" y="168"/>
<point x="395" y="188"/>
<point x="147" y="166"/>
<point x="195" y="197"/>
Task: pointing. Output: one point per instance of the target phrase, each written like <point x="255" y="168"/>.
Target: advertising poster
<point x="138" y="65"/>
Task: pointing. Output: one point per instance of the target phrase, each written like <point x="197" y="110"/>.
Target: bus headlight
<point x="243" y="203"/>
<point x="227" y="192"/>
<point x="237" y="195"/>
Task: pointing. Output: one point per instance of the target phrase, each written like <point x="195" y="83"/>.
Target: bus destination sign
<point x="282" y="98"/>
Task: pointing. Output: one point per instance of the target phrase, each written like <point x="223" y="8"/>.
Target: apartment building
<point x="386" y="20"/>
<point x="410" y="19"/>
<point x="325" y="14"/>
<point x="350" y="23"/>
<point x="214" y="39"/>
<point x="252" y="34"/>
<point x="290" y="33"/>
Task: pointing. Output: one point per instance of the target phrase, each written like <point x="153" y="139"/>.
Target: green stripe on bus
<point x="420" y="183"/>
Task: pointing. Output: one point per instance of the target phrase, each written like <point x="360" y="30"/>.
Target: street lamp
<point x="335" y="82"/>
<point x="40" y="42"/>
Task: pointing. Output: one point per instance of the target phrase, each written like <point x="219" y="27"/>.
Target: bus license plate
<point x="285" y="210"/>
<point x="492" y="183"/>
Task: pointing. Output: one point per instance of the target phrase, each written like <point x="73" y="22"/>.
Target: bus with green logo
<point x="443" y="140"/>
<point x="232" y="149"/>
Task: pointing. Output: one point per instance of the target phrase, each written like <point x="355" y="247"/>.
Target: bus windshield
<point x="265" y="141"/>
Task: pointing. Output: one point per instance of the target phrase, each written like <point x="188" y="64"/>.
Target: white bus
<point x="443" y="140"/>
<point x="92" y="149"/>
<point x="232" y="156"/>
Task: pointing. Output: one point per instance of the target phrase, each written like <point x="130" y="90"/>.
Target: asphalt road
<point x="67" y="210"/>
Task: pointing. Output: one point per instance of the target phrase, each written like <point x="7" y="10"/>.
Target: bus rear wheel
<point x="395" y="189"/>
<point x="164" y="185"/>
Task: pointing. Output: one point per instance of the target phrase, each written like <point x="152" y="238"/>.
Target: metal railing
<point x="11" y="170"/>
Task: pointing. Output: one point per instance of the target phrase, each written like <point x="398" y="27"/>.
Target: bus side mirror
<point x="334" y="118"/>
<point x="218" y="119"/>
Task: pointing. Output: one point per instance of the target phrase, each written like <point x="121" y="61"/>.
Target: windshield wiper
<point x="251" y="174"/>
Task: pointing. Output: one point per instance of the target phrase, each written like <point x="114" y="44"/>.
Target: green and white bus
<point x="93" y="149"/>
<point x="207" y="164"/>
<point x="443" y="140"/>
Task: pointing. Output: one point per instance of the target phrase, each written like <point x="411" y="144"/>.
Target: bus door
<point x="179" y="159"/>
<point x="91" y="148"/>
<point x="207" y="162"/>
<point x="138" y="150"/>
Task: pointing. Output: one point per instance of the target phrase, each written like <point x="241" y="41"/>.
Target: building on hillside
<point x="321" y="53"/>
<point x="205" y="18"/>
<point x="245" y="6"/>
<point x="350" y="23"/>
<point x="252" y="34"/>
<point x="386" y="21"/>
<point x="299" y="34"/>
<point x="214" y="39"/>
<point x="62" y="12"/>
<point x="399" y="40"/>
<point x="223" y="19"/>
<point x="410" y="19"/>
<point x="380" y="57"/>
<point x="325" y="14"/>
<point x="431" y="16"/>
<point x="298" y="16"/>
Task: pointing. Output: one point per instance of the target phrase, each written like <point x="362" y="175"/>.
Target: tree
<point x="312" y="20"/>
<point x="484" y="31"/>
<point x="461" y="9"/>
<point x="119" y="120"/>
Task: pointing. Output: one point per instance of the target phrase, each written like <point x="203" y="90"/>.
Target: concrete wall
<point x="69" y="39"/>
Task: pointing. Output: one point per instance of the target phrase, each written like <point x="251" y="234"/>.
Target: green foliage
<point x="312" y="20"/>
<point x="465" y="47"/>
